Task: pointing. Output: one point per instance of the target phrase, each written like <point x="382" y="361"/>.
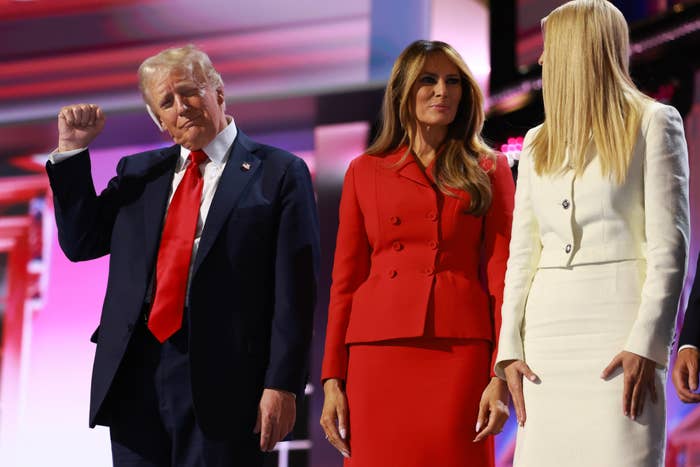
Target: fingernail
<point x="521" y="423"/>
<point x="345" y="454"/>
<point x="532" y="378"/>
<point x="343" y="432"/>
<point x="478" y="426"/>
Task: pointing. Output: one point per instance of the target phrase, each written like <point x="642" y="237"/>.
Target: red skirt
<point x="414" y="403"/>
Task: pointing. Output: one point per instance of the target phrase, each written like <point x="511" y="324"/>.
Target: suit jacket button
<point x="395" y="220"/>
<point x="392" y="273"/>
<point x="428" y="271"/>
<point x="432" y="215"/>
<point x="567" y="248"/>
<point x="565" y="204"/>
<point x="397" y="246"/>
<point x="433" y="244"/>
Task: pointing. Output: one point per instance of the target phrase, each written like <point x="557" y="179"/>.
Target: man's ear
<point x="155" y="119"/>
<point x="220" y="96"/>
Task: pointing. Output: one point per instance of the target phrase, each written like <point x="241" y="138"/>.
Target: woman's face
<point x="437" y="92"/>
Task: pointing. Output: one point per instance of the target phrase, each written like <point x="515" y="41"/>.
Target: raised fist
<point x="78" y="126"/>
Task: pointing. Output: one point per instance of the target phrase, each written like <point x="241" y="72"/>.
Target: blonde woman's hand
<point x="514" y="371"/>
<point x="639" y="373"/>
<point x="334" y="417"/>
<point x="493" y="409"/>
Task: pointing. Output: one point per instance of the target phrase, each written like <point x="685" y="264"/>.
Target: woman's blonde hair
<point x="457" y="164"/>
<point x="589" y="96"/>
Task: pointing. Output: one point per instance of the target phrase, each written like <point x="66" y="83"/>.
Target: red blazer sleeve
<point x="497" y="228"/>
<point x="350" y="269"/>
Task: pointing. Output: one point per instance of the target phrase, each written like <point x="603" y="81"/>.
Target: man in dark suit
<point x="213" y="242"/>
<point x="685" y="370"/>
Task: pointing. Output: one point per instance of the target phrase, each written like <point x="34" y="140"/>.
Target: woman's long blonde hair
<point x="457" y="164"/>
<point x="589" y="96"/>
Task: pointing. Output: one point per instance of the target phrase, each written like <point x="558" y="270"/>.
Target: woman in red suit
<point x="420" y="258"/>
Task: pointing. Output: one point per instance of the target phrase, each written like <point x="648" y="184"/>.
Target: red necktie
<point x="175" y="252"/>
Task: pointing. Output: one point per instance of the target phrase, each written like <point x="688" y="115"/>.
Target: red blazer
<point x="406" y="252"/>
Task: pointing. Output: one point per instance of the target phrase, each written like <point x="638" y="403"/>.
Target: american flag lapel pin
<point x="245" y="166"/>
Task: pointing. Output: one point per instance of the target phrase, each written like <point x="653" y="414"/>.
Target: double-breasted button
<point x="428" y="271"/>
<point x="433" y="244"/>
<point x="398" y="246"/>
<point x="432" y="215"/>
<point x="392" y="273"/>
<point x="395" y="220"/>
<point x="565" y="204"/>
<point x="567" y="248"/>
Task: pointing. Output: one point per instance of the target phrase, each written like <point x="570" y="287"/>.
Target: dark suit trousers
<point x="153" y="420"/>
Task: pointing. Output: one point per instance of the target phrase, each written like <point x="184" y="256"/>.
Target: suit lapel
<point x="238" y="173"/>
<point x="408" y="168"/>
<point x="155" y="199"/>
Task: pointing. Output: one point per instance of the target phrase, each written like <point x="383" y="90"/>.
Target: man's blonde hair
<point x="188" y="59"/>
<point x="589" y="97"/>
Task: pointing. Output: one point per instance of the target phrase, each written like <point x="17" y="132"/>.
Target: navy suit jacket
<point x="253" y="286"/>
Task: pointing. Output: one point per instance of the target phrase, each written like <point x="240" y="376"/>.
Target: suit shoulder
<point x="364" y="162"/>
<point x="275" y="157"/>
<point x="144" y="161"/>
<point x="494" y="165"/>
<point x="531" y="134"/>
<point x="655" y="114"/>
<point x="268" y="152"/>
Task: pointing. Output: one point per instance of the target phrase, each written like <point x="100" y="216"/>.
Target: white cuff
<point x="687" y="346"/>
<point x="56" y="157"/>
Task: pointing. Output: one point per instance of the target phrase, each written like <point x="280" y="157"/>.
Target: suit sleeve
<point x="667" y="230"/>
<point x="296" y="278"/>
<point x="497" y="232"/>
<point x="525" y="250"/>
<point x="84" y="219"/>
<point x="690" y="333"/>
<point x="351" y="267"/>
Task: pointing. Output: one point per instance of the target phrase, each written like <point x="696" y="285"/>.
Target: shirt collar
<point x="218" y="148"/>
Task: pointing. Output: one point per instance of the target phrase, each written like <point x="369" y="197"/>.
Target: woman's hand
<point x="514" y="371"/>
<point x="493" y="409"/>
<point x="639" y="373"/>
<point x="334" y="417"/>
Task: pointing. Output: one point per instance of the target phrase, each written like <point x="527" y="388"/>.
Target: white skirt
<point x="576" y="320"/>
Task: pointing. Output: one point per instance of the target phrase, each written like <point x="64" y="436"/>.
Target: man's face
<point x="192" y="113"/>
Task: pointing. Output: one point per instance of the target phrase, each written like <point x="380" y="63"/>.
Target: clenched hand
<point x="79" y="125"/>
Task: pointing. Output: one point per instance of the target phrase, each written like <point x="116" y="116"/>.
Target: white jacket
<point x="644" y="218"/>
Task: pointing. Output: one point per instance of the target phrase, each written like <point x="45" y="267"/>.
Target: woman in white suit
<point x="597" y="256"/>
